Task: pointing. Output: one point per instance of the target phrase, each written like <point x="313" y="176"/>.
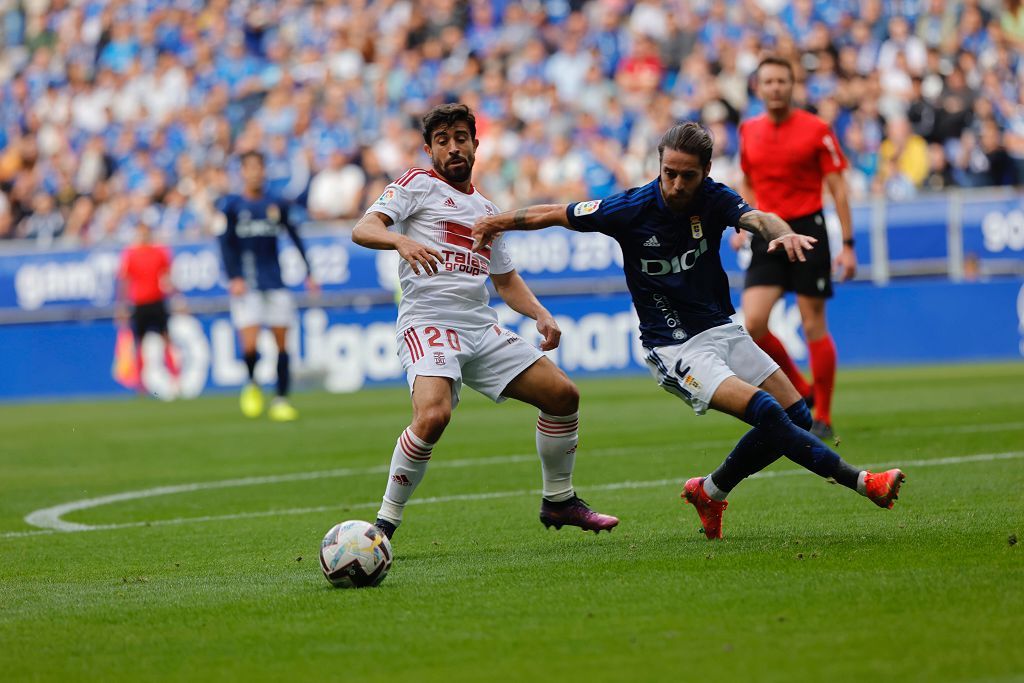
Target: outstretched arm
<point x="372" y="232"/>
<point x="514" y="291"/>
<point x="777" y="233"/>
<point x="531" y="218"/>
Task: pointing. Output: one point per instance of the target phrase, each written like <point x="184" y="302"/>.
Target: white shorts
<point x="485" y="358"/>
<point x="694" y="369"/>
<point x="268" y="308"/>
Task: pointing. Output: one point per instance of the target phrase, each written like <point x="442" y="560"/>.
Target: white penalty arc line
<point x="467" y="497"/>
<point x="52" y="517"/>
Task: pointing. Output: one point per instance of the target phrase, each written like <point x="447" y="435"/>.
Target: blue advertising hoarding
<point x="344" y="350"/>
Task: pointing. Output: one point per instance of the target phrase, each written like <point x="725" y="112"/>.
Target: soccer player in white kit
<point x="448" y="334"/>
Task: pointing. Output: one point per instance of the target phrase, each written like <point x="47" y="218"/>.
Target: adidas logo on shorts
<point x="652" y="242"/>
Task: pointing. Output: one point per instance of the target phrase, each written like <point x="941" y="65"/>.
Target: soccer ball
<point x="355" y="554"/>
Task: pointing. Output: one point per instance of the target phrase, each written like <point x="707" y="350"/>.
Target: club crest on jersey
<point x="273" y="213"/>
<point x="586" y="208"/>
<point x="385" y="198"/>
<point x="450" y="203"/>
<point x="695" y="228"/>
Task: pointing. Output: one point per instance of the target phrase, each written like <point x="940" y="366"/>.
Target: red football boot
<point x="709" y="510"/>
<point x="883" y="488"/>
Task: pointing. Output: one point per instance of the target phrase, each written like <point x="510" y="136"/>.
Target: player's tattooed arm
<point x="531" y="218"/>
<point x="778" y="234"/>
<point x="767" y="225"/>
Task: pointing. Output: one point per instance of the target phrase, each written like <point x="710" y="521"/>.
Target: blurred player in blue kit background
<point x="252" y="222"/>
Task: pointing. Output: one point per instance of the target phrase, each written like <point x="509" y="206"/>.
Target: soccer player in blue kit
<point x="250" y="225"/>
<point x="670" y="231"/>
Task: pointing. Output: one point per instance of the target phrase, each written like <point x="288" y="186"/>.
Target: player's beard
<point x="460" y="174"/>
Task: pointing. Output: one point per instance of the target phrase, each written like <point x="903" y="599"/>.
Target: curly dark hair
<point x="446" y="115"/>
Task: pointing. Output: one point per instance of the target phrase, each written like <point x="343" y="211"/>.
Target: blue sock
<point x="752" y="454"/>
<point x="800" y="414"/>
<point x="784" y="437"/>
<point x="283" y="373"/>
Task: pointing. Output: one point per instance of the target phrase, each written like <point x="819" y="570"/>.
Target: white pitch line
<point x="465" y="497"/>
<point x="954" y="429"/>
<point x="51" y="517"/>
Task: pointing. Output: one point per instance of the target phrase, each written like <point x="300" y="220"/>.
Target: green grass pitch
<point x="220" y="581"/>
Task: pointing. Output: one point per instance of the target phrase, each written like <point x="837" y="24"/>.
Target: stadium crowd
<point x="115" y="112"/>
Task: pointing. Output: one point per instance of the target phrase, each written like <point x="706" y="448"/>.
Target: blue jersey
<point x="249" y="240"/>
<point x="672" y="265"/>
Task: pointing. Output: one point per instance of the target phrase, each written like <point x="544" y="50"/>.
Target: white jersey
<point x="425" y="208"/>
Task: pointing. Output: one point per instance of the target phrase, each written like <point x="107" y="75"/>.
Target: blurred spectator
<point x="901" y="42"/>
<point x="1012" y="23"/>
<point x="863" y="159"/>
<point x="921" y="112"/>
<point x="903" y="151"/>
<point x="939" y="175"/>
<point x="937" y="24"/>
<point x="5" y="217"/>
<point x="45" y="223"/>
<point x="337" y="190"/>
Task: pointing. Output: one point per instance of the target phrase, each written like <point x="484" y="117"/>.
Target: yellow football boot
<point x="251" y="400"/>
<point x="282" y="411"/>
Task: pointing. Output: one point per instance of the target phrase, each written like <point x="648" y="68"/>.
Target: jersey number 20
<point x="434" y="337"/>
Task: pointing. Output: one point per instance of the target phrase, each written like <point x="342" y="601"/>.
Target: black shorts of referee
<point x="812" y="277"/>
<point x="151" y="317"/>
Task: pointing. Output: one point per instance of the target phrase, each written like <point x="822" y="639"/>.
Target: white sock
<point x="714" y="493"/>
<point x="557" y="438"/>
<point x="862" y="487"/>
<point x="408" y="465"/>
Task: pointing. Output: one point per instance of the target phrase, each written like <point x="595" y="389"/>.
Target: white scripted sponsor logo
<point x="586" y="208"/>
<point x="676" y="264"/>
<point x="90" y="278"/>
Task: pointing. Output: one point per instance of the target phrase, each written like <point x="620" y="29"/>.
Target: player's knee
<point x="565" y="400"/>
<point x="815" y="328"/>
<point x="430" y="423"/>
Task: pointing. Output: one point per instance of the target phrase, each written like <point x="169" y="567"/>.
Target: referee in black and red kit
<point x="787" y="155"/>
